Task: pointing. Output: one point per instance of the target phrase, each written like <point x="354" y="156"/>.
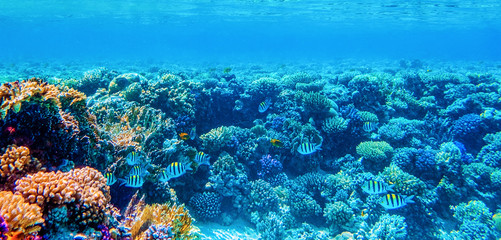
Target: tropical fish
<point x="308" y="148"/>
<point x="394" y="201"/>
<point x="134" y="158"/>
<point x="174" y="170"/>
<point x="376" y="187"/>
<point x="193" y="133"/>
<point x="369" y="126"/>
<point x="135" y="181"/>
<point x="276" y="143"/>
<point x="201" y="158"/>
<point x="138" y="170"/>
<point x="263" y="106"/>
<point x="184" y="136"/>
<point x="110" y="178"/>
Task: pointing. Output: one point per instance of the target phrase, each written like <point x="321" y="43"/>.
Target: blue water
<point x="250" y="30"/>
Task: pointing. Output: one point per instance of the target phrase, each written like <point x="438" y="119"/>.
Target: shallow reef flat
<point x="405" y="149"/>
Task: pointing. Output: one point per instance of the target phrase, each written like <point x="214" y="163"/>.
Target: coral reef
<point x="206" y="205"/>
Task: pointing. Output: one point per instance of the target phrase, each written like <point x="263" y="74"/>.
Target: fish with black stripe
<point x="134" y="158"/>
<point x="263" y="106"/>
<point x="202" y="159"/>
<point x="138" y="170"/>
<point x="110" y="178"/>
<point x="174" y="170"/>
<point x="308" y="148"/>
<point x="376" y="187"/>
<point x="134" y="181"/>
<point x="394" y="201"/>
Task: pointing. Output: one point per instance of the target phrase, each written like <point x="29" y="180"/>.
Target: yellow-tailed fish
<point x="263" y="106"/>
<point x="394" y="201"/>
<point x="174" y="170"/>
<point x="308" y="148"/>
<point x="277" y="143"/>
<point x="202" y="159"/>
<point x="110" y="178"/>
<point x="134" y="158"/>
<point x="376" y="187"/>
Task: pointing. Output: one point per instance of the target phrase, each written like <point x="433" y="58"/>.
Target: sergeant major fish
<point x="308" y="148"/>
<point x="202" y="159"/>
<point x="376" y="187"/>
<point x="394" y="201"/>
<point x="174" y="170"/>
<point x="110" y="178"/>
<point x="134" y="158"/>
<point x="263" y="106"/>
<point x="134" y="181"/>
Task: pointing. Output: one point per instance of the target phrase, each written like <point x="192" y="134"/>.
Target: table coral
<point x="19" y="215"/>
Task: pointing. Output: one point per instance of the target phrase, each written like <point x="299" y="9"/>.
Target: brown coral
<point x="19" y="215"/>
<point x="83" y="189"/>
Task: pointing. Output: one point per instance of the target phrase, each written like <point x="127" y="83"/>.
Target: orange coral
<point x="70" y="122"/>
<point x="85" y="185"/>
<point x="176" y="217"/>
<point x="84" y="189"/>
<point x="72" y="96"/>
<point x="16" y="160"/>
<point x="19" y="215"/>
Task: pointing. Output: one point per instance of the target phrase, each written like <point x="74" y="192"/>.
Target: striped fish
<point x="201" y="158"/>
<point x="110" y="178"/>
<point x="174" y="170"/>
<point x="138" y="170"/>
<point x="376" y="187"/>
<point x="369" y="126"/>
<point x="133" y="158"/>
<point x="263" y="106"/>
<point x="394" y="201"/>
<point x="134" y="181"/>
<point x="308" y="148"/>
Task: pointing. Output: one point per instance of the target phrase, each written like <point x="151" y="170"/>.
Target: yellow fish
<point x="184" y="136"/>
<point x="276" y="143"/>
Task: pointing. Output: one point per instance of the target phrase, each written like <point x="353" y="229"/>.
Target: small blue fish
<point x="110" y="178"/>
<point x="174" y="170"/>
<point x="134" y="181"/>
<point x="134" y="158"/>
<point x="376" y="187"/>
<point x="202" y="159"/>
<point x="308" y="148"/>
<point x="369" y="126"/>
<point x="394" y="201"/>
<point x="193" y="133"/>
<point x="263" y="106"/>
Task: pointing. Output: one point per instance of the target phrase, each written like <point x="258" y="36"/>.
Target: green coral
<point x="473" y="211"/>
<point x="389" y="227"/>
<point x="335" y="125"/>
<point x="403" y="182"/>
<point x="314" y="102"/>
<point x="216" y="139"/>
<point x="263" y="88"/>
<point x="368" y="117"/>
<point x="291" y="81"/>
<point x="374" y="151"/>
<point x="337" y="213"/>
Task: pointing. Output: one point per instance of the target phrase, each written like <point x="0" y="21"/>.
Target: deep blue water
<point x="250" y="30"/>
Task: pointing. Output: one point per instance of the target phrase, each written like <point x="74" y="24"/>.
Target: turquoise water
<point x="250" y="30"/>
<point x="250" y="119"/>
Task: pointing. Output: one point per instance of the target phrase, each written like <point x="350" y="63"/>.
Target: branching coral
<point x="19" y="215"/>
<point x="374" y="151"/>
<point x="17" y="160"/>
<point x="403" y="182"/>
<point x="148" y="221"/>
<point x="389" y="227"/>
<point x="84" y="190"/>
<point x="335" y="125"/>
<point x="216" y="139"/>
<point x="314" y="103"/>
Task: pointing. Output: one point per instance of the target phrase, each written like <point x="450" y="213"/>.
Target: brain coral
<point x="19" y="215"/>
<point x="374" y="151"/>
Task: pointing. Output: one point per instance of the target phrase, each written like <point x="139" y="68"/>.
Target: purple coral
<point x="160" y="232"/>
<point x="105" y="232"/>
<point x="4" y="228"/>
<point x="269" y="167"/>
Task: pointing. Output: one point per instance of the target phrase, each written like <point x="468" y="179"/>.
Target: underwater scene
<point x="250" y="119"/>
